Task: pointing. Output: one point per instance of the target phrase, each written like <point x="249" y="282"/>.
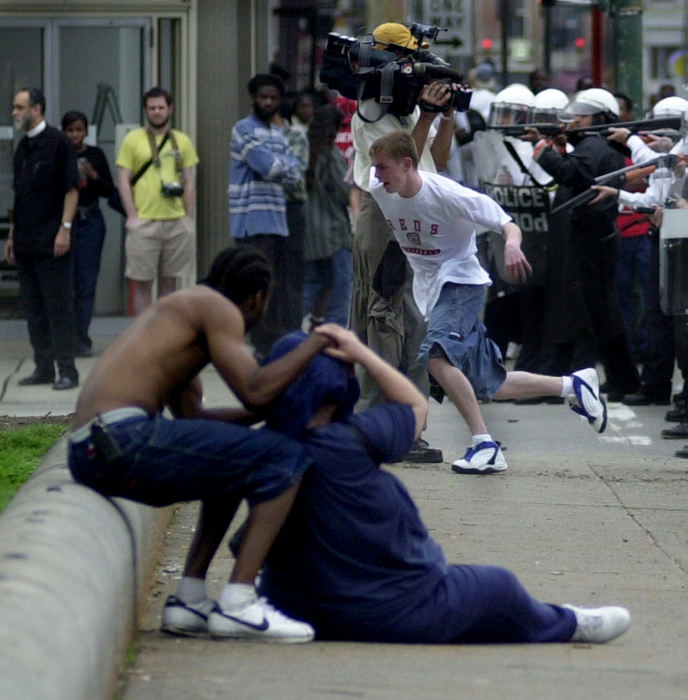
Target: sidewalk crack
<point x="6" y="381"/>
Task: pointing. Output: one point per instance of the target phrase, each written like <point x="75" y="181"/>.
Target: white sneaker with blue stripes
<point x="187" y="619"/>
<point x="586" y="400"/>
<point x="484" y="458"/>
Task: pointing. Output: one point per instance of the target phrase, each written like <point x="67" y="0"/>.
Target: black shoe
<point x="645" y="398"/>
<point x="682" y="453"/>
<point x="677" y="415"/>
<point x="679" y="431"/>
<point x="615" y="396"/>
<point x="36" y="378"/>
<point x="422" y="453"/>
<point x="65" y="383"/>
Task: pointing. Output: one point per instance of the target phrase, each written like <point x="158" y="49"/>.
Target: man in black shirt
<point x="582" y="303"/>
<point x="45" y="199"/>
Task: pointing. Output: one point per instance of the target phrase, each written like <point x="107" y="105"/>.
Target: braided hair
<point x="239" y="272"/>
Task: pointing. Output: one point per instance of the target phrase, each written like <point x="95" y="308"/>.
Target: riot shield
<point x="673" y="262"/>
<point x="508" y="175"/>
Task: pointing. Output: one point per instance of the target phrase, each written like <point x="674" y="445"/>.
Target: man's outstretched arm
<point x="256" y="386"/>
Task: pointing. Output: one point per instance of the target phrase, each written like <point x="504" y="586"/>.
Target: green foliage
<point x="21" y="450"/>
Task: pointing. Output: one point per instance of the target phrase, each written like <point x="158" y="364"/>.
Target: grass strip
<point x="21" y="450"/>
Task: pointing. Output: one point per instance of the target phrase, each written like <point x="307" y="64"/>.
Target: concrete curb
<point x="73" y="567"/>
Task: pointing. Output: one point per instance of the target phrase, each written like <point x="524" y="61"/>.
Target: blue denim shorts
<point x="165" y="461"/>
<point x="456" y="332"/>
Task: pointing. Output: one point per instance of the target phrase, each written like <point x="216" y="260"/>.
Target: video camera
<point x="359" y="71"/>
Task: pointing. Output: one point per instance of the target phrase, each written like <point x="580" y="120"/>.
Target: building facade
<point x="99" y="57"/>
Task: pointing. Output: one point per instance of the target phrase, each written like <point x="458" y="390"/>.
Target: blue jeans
<point x="88" y="235"/>
<point x="331" y="276"/>
<point x="456" y="332"/>
<point x="165" y="461"/>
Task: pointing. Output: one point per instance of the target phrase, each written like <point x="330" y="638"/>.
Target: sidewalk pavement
<point x="580" y="518"/>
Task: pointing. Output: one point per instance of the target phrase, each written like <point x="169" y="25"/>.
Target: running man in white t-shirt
<point x="434" y="220"/>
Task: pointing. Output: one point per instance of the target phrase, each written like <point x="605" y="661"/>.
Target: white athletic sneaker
<point x="598" y="625"/>
<point x="261" y="621"/>
<point x="586" y="400"/>
<point x="484" y="458"/>
<point x="179" y="617"/>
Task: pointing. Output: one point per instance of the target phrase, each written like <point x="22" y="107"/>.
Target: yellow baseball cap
<point x="395" y="33"/>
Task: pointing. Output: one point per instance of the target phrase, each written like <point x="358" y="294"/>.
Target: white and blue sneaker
<point x="260" y="621"/>
<point x="484" y="458"/>
<point x="599" y="625"/>
<point x="190" y="620"/>
<point x="586" y="400"/>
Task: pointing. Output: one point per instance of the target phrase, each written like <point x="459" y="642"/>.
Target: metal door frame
<point x="51" y="48"/>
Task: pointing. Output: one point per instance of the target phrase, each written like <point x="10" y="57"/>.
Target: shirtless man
<point x="121" y="445"/>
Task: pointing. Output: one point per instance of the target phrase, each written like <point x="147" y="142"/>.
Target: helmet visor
<point x="546" y="115"/>
<point x="505" y="114"/>
<point x="657" y="113"/>
<point x="576" y="109"/>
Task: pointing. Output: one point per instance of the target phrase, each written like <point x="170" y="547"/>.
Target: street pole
<point x="626" y="18"/>
<point x="504" y="11"/>
<point x="547" y="53"/>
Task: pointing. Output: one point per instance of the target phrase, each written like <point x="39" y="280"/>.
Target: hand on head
<point x="347" y="347"/>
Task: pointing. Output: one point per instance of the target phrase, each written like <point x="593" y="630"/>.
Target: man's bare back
<point x="160" y="354"/>
<point x="156" y="361"/>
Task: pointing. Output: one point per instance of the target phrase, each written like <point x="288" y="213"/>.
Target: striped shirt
<point x="261" y="163"/>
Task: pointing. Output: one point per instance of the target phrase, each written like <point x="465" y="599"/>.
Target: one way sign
<point x="457" y="17"/>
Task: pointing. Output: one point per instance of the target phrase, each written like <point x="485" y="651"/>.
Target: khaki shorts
<point x="166" y="248"/>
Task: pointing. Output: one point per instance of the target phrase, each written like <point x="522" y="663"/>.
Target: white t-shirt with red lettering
<point x="436" y="231"/>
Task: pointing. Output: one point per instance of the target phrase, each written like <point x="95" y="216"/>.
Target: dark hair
<point x="584" y="82"/>
<point x="627" y="100"/>
<point x="73" y="116"/>
<point x="36" y="97"/>
<point x="322" y="131"/>
<point x="157" y="91"/>
<point x="239" y="272"/>
<point x="261" y="80"/>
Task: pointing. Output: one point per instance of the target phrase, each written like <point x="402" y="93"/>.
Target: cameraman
<point x="383" y="312"/>
<point x="156" y="184"/>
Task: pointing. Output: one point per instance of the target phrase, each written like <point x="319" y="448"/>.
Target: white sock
<point x="191" y="590"/>
<point x="566" y="385"/>
<point x="237" y="595"/>
<point x="482" y="437"/>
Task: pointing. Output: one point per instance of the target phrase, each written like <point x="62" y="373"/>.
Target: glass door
<point x="97" y="66"/>
<point x="22" y="61"/>
<point x="102" y="66"/>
